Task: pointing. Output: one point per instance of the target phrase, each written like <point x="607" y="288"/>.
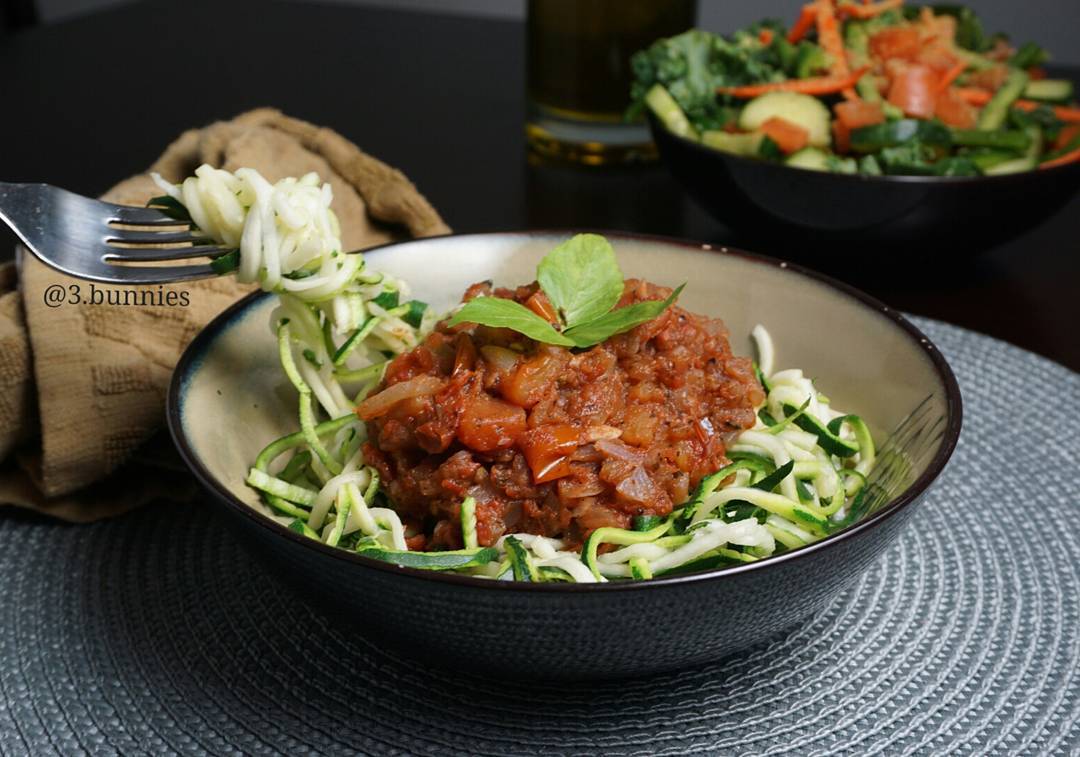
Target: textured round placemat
<point x="158" y="633"/>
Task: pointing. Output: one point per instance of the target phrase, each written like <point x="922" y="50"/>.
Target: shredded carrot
<point x="1070" y="157"/>
<point x="1066" y="136"/>
<point x="820" y="85"/>
<point x="803" y="24"/>
<point x="950" y="76"/>
<point x="788" y="137"/>
<point x="765" y="35"/>
<point x="868" y="9"/>
<point x="1072" y="115"/>
<point x="828" y="32"/>
<point x="974" y="95"/>
<point x="977" y="96"/>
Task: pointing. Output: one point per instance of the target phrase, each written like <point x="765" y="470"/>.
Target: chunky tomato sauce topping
<point x="549" y="440"/>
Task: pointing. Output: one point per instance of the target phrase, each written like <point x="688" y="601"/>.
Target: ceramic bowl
<point x="865" y="216"/>
<point x="229" y="398"/>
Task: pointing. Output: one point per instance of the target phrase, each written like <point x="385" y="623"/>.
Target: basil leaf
<point x="618" y="321"/>
<point x="581" y="278"/>
<point x="507" y="314"/>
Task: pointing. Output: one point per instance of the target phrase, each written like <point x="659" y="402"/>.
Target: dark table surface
<point x="92" y="100"/>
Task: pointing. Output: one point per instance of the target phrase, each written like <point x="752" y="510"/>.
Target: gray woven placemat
<point x="157" y="633"/>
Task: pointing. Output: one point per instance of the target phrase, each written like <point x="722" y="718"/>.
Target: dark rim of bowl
<point x="954" y="414"/>
<point x="655" y="126"/>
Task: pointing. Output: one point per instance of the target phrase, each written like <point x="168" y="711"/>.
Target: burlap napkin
<point x="82" y="384"/>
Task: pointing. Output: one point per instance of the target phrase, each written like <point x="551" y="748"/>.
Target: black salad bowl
<point x="914" y="216"/>
<point x="228" y="398"/>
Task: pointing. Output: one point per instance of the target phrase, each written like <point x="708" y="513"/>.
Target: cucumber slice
<point x="998" y="140"/>
<point x="1031" y="156"/>
<point x="668" y="111"/>
<point x="810" y="158"/>
<point x="1010" y="166"/>
<point x="994" y="112"/>
<point x="747" y="145"/>
<point x="1049" y="90"/>
<point x="803" y="110"/>
<point x="893" y="133"/>
<point x="986" y="159"/>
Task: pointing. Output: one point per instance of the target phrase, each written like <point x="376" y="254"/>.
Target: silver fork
<point x="906" y="449"/>
<point x="103" y="242"/>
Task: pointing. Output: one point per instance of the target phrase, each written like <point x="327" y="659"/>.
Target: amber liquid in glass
<point x="578" y="77"/>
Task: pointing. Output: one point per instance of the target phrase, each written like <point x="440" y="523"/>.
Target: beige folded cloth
<point x="82" y="386"/>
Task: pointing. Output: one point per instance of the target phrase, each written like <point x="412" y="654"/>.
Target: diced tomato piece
<point x="465" y="354"/>
<point x="858" y="113"/>
<point x="841" y="135"/>
<point x="940" y="28"/>
<point x="853" y="114"/>
<point x="531" y="380"/>
<point x="937" y="56"/>
<point x="1036" y="73"/>
<point x="541" y="305"/>
<point x="1066" y="135"/>
<point x="788" y="136"/>
<point x="913" y="90"/>
<point x="895" y="42"/>
<point x="954" y="110"/>
<point x="547" y="450"/>
<point x="488" y="424"/>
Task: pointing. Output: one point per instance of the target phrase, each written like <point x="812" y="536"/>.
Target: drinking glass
<point x="578" y="74"/>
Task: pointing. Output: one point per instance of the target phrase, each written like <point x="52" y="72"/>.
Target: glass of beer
<point x="578" y="77"/>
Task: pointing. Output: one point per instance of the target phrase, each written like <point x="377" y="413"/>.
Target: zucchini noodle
<point x="797" y="476"/>
<point x="337" y="324"/>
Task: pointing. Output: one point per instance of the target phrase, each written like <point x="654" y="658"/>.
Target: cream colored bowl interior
<point x="235" y="398"/>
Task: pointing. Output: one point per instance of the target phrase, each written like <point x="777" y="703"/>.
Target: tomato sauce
<point x="555" y="441"/>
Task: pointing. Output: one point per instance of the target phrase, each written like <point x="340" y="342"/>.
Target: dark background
<point x="95" y="98"/>
<point x="1051" y="23"/>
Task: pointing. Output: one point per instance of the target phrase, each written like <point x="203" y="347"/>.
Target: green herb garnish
<point x="582" y="280"/>
<point x="507" y="314"/>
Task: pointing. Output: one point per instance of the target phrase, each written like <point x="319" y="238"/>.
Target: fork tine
<point x="160" y="274"/>
<point x="910" y="440"/>
<point x="142" y="217"/>
<point x="125" y="236"/>
<point x="145" y="254"/>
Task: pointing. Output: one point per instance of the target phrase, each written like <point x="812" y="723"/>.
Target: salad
<point x="864" y="87"/>
<point x="580" y="428"/>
